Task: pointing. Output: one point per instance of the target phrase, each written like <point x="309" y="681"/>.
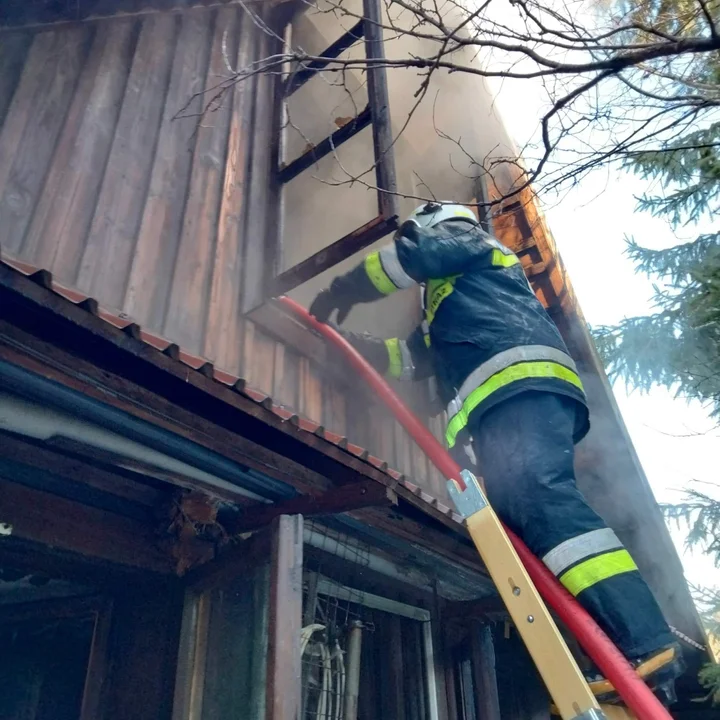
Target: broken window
<point x="365" y="653"/>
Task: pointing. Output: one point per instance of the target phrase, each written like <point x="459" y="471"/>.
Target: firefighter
<point x="513" y="392"/>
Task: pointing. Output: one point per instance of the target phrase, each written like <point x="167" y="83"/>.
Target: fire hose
<point x="634" y="692"/>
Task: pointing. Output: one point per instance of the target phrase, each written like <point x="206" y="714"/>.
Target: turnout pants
<point x="524" y="451"/>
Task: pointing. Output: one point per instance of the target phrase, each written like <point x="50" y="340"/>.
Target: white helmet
<point x="431" y="214"/>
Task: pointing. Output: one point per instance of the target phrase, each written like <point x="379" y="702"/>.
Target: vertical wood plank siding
<point x="107" y="184"/>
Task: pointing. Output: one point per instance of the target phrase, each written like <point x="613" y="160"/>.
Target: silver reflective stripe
<point x="407" y="363"/>
<point x="393" y="269"/>
<point x="572" y="551"/>
<point x="425" y="327"/>
<point x="524" y="353"/>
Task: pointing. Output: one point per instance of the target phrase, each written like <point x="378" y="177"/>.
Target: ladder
<point x="572" y="698"/>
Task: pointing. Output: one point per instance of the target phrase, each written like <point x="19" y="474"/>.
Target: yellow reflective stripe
<point x="597" y="569"/>
<point x="395" y="366"/>
<point x="437" y="291"/>
<point x="378" y="277"/>
<point x="500" y="259"/>
<point x="521" y="371"/>
<point x="427" y="339"/>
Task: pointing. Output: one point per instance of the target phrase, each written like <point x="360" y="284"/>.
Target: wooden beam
<point x="309" y="70"/>
<point x="229" y="563"/>
<point x="60" y="523"/>
<point x="477" y="609"/>
<point x="75" y="470"/>
<point x="326" y="146"/>
<point x="482" y="651"/>
<point x="379" y="104"/>
<point x="285" y="620"/>
<point x="333" y="254"/>
<point x="141" y="468"/>
<point x="337" y="500"/>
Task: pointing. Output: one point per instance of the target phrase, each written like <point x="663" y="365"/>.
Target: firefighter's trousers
<point x="524" y="450"/>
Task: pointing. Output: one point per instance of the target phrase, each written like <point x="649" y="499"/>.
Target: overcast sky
<point x="676" y="441"/>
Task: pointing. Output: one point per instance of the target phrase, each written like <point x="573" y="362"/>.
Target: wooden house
<point x="200" y="509"/>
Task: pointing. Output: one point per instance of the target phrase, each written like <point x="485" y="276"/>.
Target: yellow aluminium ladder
<point x="572" y="697"/>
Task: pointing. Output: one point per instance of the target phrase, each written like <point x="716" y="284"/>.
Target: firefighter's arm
<point x="416" y="255"/>
<point x="379" y="274"/>
<point x="399" y="359"/>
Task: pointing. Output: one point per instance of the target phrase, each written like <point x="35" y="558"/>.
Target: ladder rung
<point x="298" y="79"/>
<point x="338" y="251"/>
<point x="325" y="147"/>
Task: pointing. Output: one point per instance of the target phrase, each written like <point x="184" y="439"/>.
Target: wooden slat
<point x="157" y="244"/>
<point x="192" y="279"/>
<point x="325" y="147"/>
<point x="286" y="376"/>
<point x="60" y="222"/>
<point x="223" y="330"/>
<point x="34" y="120"/>
<point x="386" y="437"/>
<point x="52" y="520"/>
<point x="402" y="451"/>
<point x="110" y="245"/>
<point x="259" y="266"/>
<point x="258" y="361"/>
<point x="333" y="254"/>
<point x="311" y="391"/>
<point x="383" y="140"/>
<point x="13" y="52"/>
<point x="483" y="666"/>
<point x="284" y="658"/>
<point x="334" y="416"/>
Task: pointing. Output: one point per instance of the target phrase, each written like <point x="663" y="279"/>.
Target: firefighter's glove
<point x="327" y="301"/>
<point x="371" y="348"/>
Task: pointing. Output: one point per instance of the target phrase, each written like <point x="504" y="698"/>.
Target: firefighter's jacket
<point x="485" y="335"/>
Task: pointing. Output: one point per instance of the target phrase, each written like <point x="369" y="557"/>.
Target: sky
<point x="676" y="441"/>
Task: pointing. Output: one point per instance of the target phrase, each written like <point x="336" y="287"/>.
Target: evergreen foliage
<point x="677" y="346"/>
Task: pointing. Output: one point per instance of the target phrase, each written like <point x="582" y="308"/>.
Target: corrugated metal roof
<point x="199" y="364"/>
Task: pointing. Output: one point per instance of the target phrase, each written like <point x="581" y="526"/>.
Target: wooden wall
<point x="102" y="184"/>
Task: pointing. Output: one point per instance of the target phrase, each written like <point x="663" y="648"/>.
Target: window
<point x="367" y="639"/>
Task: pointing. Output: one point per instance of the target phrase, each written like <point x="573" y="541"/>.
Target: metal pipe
<point x="352" y="671"/>
<point x="611" y="662"/>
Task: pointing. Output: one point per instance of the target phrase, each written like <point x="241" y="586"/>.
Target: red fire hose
<point x="611" y="662"/>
